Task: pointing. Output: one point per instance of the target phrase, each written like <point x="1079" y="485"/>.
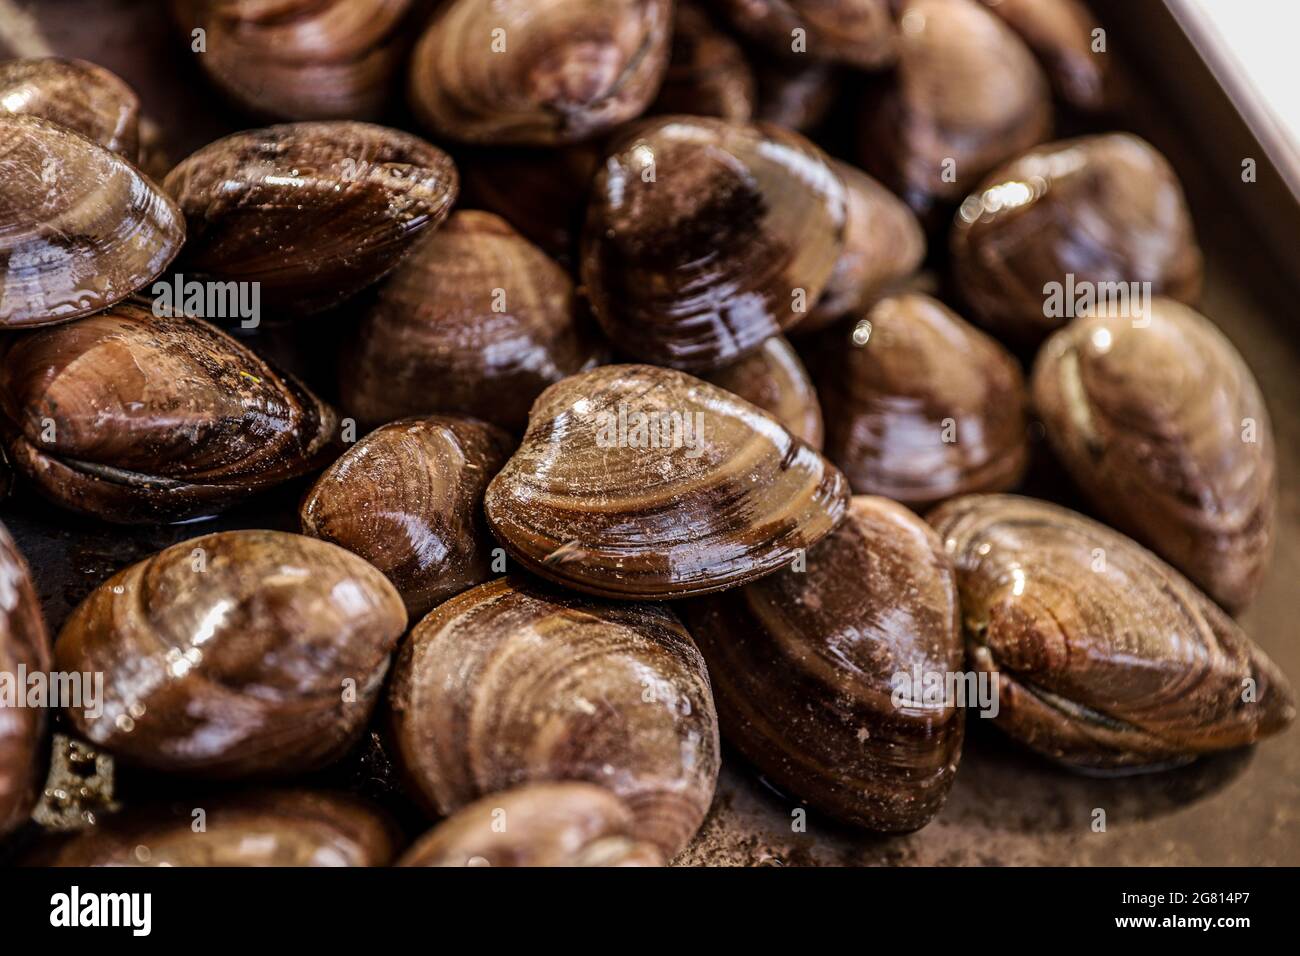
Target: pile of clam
<point x="646" y="429"/>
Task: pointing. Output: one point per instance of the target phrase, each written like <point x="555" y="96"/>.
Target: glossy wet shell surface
<point x="774" y="379"/>
<point x="76" y="94"/>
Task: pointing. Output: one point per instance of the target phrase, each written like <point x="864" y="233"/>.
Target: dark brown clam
<point x="967" y="94"/>
<point x="510" y="684"/>
<point x="1163" y="427"/>
<point x="137" y="418"/>
<point x="24" y="647"/>
<point x="539" y="824"/>
<point x="476" y="321"/>
<point x="641" y="482"/>
<point x="312" y="211"/>
<point x="808" y="668"/>
<point x="860" y="33"/>
<point x="883" y="245"/>
<point x="1108" y="659"/>
<point x="409" y="499"/>
<point x="270" y="828"/>
<point x="302" y="59"/>
<point x="234" y="654"/>
<point x="708" y="74"/>
<point x="81" y="96"/>
<point x="538" y="72"/>
<point x="704" y="238"/>
<point x="774" y="379"/>
<point x="796" y="93"/>
<point x="1062" y="35"/>
<point x="1090" y="214"/>
<point x="919" y="404"/>
<point x="83" y="228"/>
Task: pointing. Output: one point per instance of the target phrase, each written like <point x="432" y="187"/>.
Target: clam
<point x="1062" y="34"/>
<point x="1108" y="659"/>
<point x="81" y="96"/>
<point x="859" y="33"/>
<point x="797" y="93"/>
<point x="241" y="653"/>
<point x="302" y="59"/>
<point x="539" y="824"/>
<point x="314" y="212"/>
<point x="409" y="498"/>
<point x="510" y="684"/>
<point x="264" y="828"/>
<point x="538" y="72"/>
<point x="476" y="321"/>
<point x="24" y="647"/>
<point x="704" y="238"/>
<point x="967" y="94"/>
<point x="919" y="404"/>
<point x="641" y="482"/>
<point x="807" y="667"/>
<point x="774" y="379"/>
<point x="1098" y="214"/>
<point x="137" y="418"/>
<point x="883" y="245"/>
<point x="1164" y="429"/>
<point x="83" y="228"/>
<point x="708" y="74"/>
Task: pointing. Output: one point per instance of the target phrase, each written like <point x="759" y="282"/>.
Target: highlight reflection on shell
<point x="806" y="664"/>
<point x="84" y="228"/>
<point x="774" y="379"/>
<point x="1108" y="658"/>
<point x="640" y="482"/>
<point x="1162" y="426"/>
<point x="510" y="684"/>
<point x="539" y="824"/>
<point x="234" y="654"/>
<point x="81" y="96"/>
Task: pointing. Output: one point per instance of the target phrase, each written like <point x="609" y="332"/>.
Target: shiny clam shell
<point x="640" y="482"/>
<point x="1108" y="659"/>
<point x="510" y="684"/>
<point x="774" y="379"/>
<point x="1163" y="427"/>
<point x="1063" y="35"/>
<point x="859" y="33"/>
<point x="82" y="227"/>
<point x="79" y="95"/>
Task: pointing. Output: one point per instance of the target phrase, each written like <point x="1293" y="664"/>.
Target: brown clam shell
<point x="1098" y="209"/>
<point x="137" y="419"/>
<point x="704" y="238"/>
<point x="708" y="73"/>
<point x="408" y="498"/>
<point x="774" y="379"/>
<point x="883" y="245"/>
<point x="805" y="664"/>
<point x="796" y="93"/>
<point x="538" y="72"/>
<point x="81" y="96"/>
<point x="966" y="95"/>
<point x="24" y="645"/>
<point x="1108" y="659"/>
<point x="314" y="212"/>
<point x="919" y="404"/>
<point x="539" y="824"/>
<point x="584" y="690"/>
<point x="83" y="228"/>
<point x="234" y="654"/>
<point x="476" y="321"/>
<point x="269" y="828"/>
<point x="1060" y="32"/>
<point x="859" y="33"/>
<point x="641" y="482"/>
<point x="1164" y="428"/>
<point x="302" y="59"/>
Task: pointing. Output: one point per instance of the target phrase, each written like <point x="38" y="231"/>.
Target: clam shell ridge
<point x="1108" y="658"/>
<point x="509" y="683"/>
<point x="727" y="496"/>
<point x="706" y="237"/>
<point x="1165" y="430"/>
<point x="228" y="655"/>
<point x="83" y="228"/>
<point x="805" y="665"/>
